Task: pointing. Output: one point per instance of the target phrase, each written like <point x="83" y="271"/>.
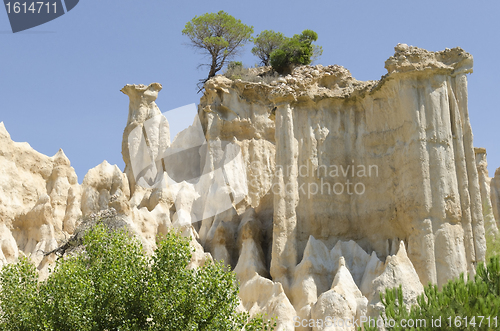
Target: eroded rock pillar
<point x="490" y="224"/>
<point x="285" y="190"/>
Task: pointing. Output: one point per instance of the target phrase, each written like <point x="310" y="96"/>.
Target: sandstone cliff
<point x="411" y="127"/>
<point x="487" y="197"/>
<point x="317" y="189"/>
<point x="374" y="162"/>
<point x="495" y="195"/>
<point x="39" y="201"/>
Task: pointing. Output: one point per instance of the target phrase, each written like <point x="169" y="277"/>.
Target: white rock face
<point x="39" y="201"/>
<point x="343" y="301"/>
<point x="103" y="187"/>
<point x="315" y="273"/>
<point x="398" y="270"/>
<point x="260" y="295"/>
<point x="371" y="161"/>
<point x="320" y="191"/>
<point x="144" y="116"/>
<point x="263" y="296"/>
<point x="495" y="195"/>
<point x="490" y="225"/>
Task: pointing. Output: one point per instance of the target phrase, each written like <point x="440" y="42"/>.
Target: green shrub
<point x="460" y="305"/>
<point x="234" y="65"/>
<point x="297" y="50"/>
<point x="112" y="285"/>
<point x="260" y="323"/>
<point x="492" y="245"/>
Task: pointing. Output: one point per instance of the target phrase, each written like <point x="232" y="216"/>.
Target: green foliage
<point x="265" y="43"/>
<point x="460" y="305"/>
<point x="316" y="53"/>
<point x="235" y="64"/>
<point x="297" y="50"/>
<point x="112" y="285"/>
<point x="218" y="35"/>
<point x="492" y="245"/>
<point x="260" y="323"/>
<point x="17" y="297"/>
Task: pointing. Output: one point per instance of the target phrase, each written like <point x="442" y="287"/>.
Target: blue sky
<point x="60" y="82"/>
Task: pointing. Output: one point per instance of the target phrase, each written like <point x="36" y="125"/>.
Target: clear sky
<point x="60" y="82"/>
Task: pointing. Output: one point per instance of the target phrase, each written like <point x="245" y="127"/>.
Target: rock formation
<point x="39" y="201"/>
<point x="495" y="195"/>
<point x="374" y="162"/>
<point x="343" y="301"/>
<point x="490" y="225"/>
<point x="144" y="116"/>
<point x="368" y="161"/>
<point x="317" y="189"/>
<point x="105" y="186"/>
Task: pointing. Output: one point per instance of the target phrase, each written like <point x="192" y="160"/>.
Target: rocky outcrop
<point x="104" y="187"/>
<point x="146" y="135"/>
<point x="343" y="301"/>
<point x="260" y="295"/>
<point x="319" y="190"/>
<point x="315" y="273"/>
<point x="365" y="161"/>
<point x="398" y="270"/>
<point x="490" y="225"/>
<point x="373" y="162"/>
<point x="39" y="201"/>
<point x="495" y="195"/>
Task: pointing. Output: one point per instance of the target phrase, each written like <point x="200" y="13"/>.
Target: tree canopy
<point x="112" y="285"/>
<point x="218" y="35"/>
<point x="297" y="50"/>
<point x="265" y="43"/>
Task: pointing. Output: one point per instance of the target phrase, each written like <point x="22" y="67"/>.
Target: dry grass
<point x="253" y="75"/>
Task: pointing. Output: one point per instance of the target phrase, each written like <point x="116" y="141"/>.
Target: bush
<point x="235" y="70"/>
<point x="460" y="305"/>
<point x="297" y="50"/>
<point x="112" y="285"/>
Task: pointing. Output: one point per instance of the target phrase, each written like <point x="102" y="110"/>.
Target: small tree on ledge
<point x="297" y="50"/>
<point x="218" y="35"/>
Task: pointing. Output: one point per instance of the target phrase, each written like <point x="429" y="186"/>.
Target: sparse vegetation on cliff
<point x="236" y="70"/>
<point x="221" y="36"/>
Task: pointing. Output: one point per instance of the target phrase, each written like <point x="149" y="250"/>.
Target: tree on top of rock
<point x="297" y="50"/>
<point x="218" y="35"/>
<point x="265" y="43"/>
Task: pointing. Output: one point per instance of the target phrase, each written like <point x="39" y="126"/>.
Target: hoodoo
<point x="317" y="189"/>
